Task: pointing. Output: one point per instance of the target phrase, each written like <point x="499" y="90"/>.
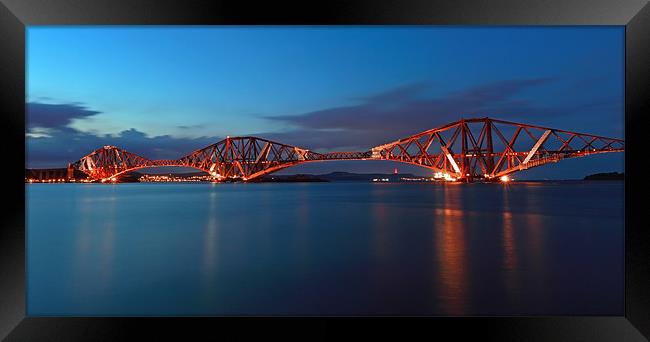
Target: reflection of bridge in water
<point x="465" y="150"/>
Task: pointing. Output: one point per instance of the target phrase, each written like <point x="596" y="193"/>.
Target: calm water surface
<point x="549" y="248"/>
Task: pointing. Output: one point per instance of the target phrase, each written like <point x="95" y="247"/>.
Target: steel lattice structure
<point x="247" y="158"/>
<point x="488" y="148"/>
<point x="465" y="150"/>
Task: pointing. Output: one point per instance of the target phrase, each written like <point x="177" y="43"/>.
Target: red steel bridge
<point x="466" y="150"/>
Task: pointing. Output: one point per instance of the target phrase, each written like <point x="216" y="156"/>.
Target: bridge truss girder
<point x="487" y="148"/>
<point x="467" y="149"/>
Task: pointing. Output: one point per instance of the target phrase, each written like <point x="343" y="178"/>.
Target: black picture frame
<point x="15" y="15"/>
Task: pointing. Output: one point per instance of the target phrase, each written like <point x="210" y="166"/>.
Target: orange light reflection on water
<point x="452" y="258"/>
<point x="510" y="266"/>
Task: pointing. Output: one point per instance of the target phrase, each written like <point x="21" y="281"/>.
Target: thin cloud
<point x="406" y="110"/>
<point x="45" y="115"/>
<point x="190" y="127"/>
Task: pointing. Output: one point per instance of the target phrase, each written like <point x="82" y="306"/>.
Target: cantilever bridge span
<point x="465" y="150"/>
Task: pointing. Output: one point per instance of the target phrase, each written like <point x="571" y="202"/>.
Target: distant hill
<point x="606" y="176"/>
<point x="348" y="176"/>
<point x="292" y="178"/>
<point x="177" y="174"/>
<point x="336" y="177"/>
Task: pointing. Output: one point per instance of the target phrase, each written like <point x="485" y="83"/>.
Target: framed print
<point x="394" y="168"/>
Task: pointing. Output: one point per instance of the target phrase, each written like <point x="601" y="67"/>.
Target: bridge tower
<point x="490" y="147"/>
<point x="464" y="162"/>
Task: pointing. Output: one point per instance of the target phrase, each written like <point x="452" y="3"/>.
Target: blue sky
<point x="163" y="91"/>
